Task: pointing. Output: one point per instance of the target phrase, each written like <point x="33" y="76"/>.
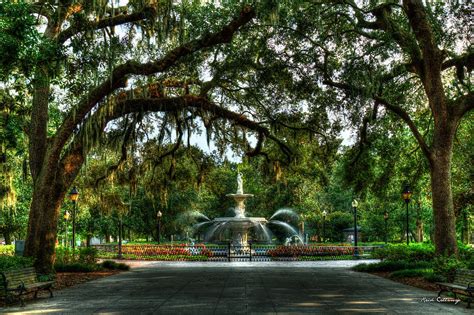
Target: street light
<point x="324" y="225"/>
<point x="354" y="206"/>
<point x="158" y="226"/>
<point x="74" y="195"/>
<point x="66" y="217"/>
<point x="385" y="217"/>
<point x="406" y="194"/>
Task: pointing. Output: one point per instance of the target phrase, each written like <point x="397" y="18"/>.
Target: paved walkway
<point x="241" y="288"/>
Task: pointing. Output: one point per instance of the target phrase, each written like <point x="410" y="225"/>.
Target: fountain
<point x="236" y="229"/>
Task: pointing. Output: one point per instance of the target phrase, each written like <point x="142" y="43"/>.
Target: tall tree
<point x="377" y="59"/>
<point x="91" y="79"/>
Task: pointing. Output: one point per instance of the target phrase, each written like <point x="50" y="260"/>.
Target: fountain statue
<point x="237" y="229"/>
<point x="240" y="185"/>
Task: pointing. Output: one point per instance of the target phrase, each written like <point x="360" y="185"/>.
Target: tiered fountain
<point x="237" y="228"/>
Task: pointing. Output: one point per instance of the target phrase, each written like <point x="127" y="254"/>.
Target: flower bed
<point x="167" y="257"/>
<point x="157" y="252"/>
<point x="297" y="251"/>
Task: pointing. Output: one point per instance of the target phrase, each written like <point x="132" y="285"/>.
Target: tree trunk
<point x="419" y="230"/>
<point x="7" y="236"/>
<point x="443" y="210"/>
<point x="42" y="224"/>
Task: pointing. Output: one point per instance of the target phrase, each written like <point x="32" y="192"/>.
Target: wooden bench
<point x="21" y="281"/>
<point x="463" y="284"/>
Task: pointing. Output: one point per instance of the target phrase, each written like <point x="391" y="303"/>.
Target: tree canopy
<point x="276" y="81"/>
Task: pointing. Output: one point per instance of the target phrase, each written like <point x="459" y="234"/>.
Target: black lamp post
<point x="354" y="206"/>
<point x="158" y="226"/>
<point x="385" y="217"/>
<point x="66" y="218"/>
<point x="74" y="195"/>
<point x="120" y="256"/>
<point x="324" y="225"/>
<point x="406" y="194"/>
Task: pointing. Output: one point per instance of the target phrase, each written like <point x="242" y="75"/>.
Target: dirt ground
<point x="69" y="279"/>
<point x="417" y="282"/>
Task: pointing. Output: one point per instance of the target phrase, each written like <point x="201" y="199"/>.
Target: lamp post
<point x="158" y="226"/>
<point x="120" y="237"/>
<point x="66" y="217"/>
<point x="354" y="206"/>
<point x="406" y="194"/>
<point x="73" y="195"/>
<point x="324" y="225"/>
<point x="385" y="217"/>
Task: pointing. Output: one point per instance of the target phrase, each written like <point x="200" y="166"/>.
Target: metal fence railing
<point x="230" y="252"/>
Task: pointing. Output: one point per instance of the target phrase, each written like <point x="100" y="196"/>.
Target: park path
<point x="241" y="288"/>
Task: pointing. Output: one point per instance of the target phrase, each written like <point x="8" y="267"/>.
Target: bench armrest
<point x="469" y="288"/>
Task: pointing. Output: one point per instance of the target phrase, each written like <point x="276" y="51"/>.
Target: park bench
<point x="22" y="281"/>
<point x="463" y="284"/>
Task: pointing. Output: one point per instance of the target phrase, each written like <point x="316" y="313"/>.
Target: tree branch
<point x="463" y="105"/>
<point x="106" y="22"/>
<point x="400" y="112"/>
<point x="465" y="60"/>
<point x="173" y="104"/>
<point x="119" y="74"/>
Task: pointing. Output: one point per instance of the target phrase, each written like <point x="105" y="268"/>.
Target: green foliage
<point x="112" y="265"/>
<point x="392" y="266"/>
<point x="434" y="277"/>
<point x="8" y="250"/>
<point x="66" y="255"/>
<point x="447" y="266"/>
<point x="18" y="37"/>
<point x="410" y="273"/>
<point x="414" y="252"/>
<point x="466" y="254"/>
<point x="428" y="274"/>
<point x="15" y="262"/>
<point x="79" y="260"/>
<point x="88" y="255"/>
<point x="75" y="267"/>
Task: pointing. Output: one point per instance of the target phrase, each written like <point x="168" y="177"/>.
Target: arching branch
<point x="174" y="104"/>
<point x="399" y="111"/>
<point x="120" y="73"/>
<point x="105" y="22"/>
<point x="123" y="157"/>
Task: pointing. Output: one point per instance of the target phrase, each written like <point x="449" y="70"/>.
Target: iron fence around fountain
<point x="230" y="252"/>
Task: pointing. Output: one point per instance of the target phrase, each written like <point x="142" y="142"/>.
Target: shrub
<point x="15" y="262"/>
<point x="66" y="255"/>
<point x="466" y="254"/>
<point x="433" y="277"/>
<point x="112" y="265"/>
<point x="75" y="267"/>
<point x="391" y="266"/>
<point x="88" y="255"/>
<point x="413" y="252"/>
<point x="427" y="274"/>
<point x="8" y="250"/>
<point x="410" y="273"/>
<point x="446" y="266"/>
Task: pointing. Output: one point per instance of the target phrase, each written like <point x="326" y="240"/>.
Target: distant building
<point x="349" y="234"/>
